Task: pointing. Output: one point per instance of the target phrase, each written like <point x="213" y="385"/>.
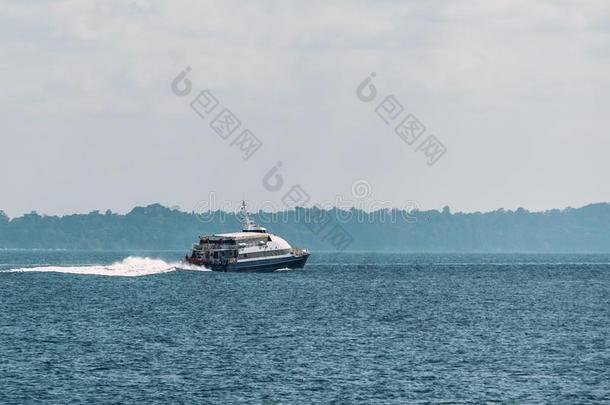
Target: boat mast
<point x="248" y="223"/>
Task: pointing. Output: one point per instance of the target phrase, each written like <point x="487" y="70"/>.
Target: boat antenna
<point x="248" y="224"/>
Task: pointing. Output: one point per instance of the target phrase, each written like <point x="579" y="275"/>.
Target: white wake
<point x="131" y="266"/>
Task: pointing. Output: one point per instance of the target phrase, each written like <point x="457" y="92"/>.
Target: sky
<point x="514" y="97"/>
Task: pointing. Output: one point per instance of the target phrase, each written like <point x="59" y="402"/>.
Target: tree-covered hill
<point x="585" y="229"/>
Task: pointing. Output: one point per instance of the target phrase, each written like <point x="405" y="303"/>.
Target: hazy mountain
<point x="585" y="229"/>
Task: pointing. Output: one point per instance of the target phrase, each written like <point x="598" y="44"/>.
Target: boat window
<point x="253" y="255"/>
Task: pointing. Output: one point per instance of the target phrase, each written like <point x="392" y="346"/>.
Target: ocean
<point x="367" y="328"/>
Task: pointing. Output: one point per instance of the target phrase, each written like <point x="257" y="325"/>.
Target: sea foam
<point x="132" y="266"/>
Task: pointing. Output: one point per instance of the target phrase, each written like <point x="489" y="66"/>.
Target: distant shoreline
<point x="584" y="230"/>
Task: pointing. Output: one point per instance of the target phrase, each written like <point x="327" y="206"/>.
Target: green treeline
<point x="585" y="229"/>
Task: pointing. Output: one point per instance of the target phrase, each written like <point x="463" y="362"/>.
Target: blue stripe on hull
<point x="265" y="264"/>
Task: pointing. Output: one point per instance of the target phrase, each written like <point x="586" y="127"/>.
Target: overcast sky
<point x="518" y="92"/>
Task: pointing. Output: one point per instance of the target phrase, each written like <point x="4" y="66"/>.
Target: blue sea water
<point x="349" y="328"/>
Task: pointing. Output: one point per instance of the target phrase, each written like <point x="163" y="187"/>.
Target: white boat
<point x="252" y="249"/>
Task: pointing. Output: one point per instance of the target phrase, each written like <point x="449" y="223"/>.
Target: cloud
<point x="98" y="50"/>
<point x="515" y="78"/>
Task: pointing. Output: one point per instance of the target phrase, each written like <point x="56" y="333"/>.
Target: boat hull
<point x="263" y="265"/>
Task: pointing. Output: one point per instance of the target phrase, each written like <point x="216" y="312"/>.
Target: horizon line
<point x="288" y="209"/>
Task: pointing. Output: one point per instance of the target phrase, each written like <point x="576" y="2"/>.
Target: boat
<point x="251" y="250"/>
